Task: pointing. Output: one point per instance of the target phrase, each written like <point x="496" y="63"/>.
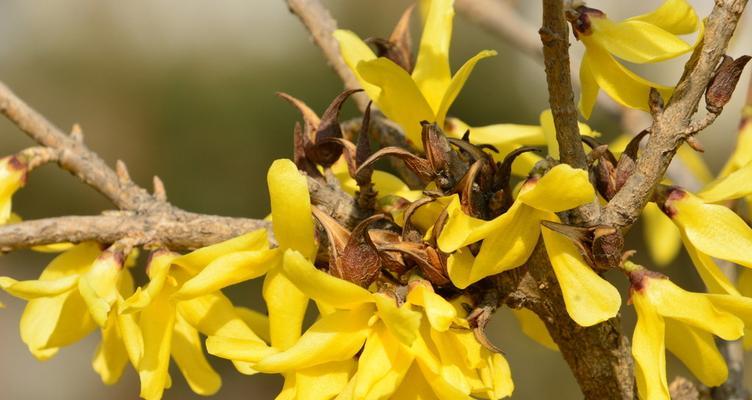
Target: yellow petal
<point x="636" y="41"/>
<point x="228" y="270"/>
<point x="447" y="381"/>
<point x="675" y="16"/>
<point x="53" y="248"/>
<point x="625" y="87"/>
<point x="33" y="289"/>
<point x="431" y="73"/>
<point x="99" y="286"/>
<point x="335" y="337"/>
<point x="740" y="306"/>
<point x="381" y="366"/>
<point x="400" y="99"/>
<point x="323" y="382"/>
<point x="455" y="86"/>
<point x="728" y="237"/>
<point x="695" y="309"/>
<point x="588" y="89"/>
<point x="549" y="194"/>
<point x="353" y="51"/>
<point x="510" y="245"/>
<point x="500" y="377"/>
<point x="497" y="134"/>
<point x="440" y="313"/>
<point x="461" y="229"/>
<point x="258" y="322"/>
<point x="661" y="235"/>
<point x="238" y="350"/>
<point x="158" y="270"/>
<point x="733" y="186"/>
<point x="286" y="305"/>
<point x="414" y="386"/>
<point x="157" y="322"/>
<point x="589" y="299"/>
<point x="534" y="328"/>
<point x="321" y="286"/>
<point x="111" y="357"/>
<point x="198" y="259"/>
<point x="649" y="351"/>
<point x="291" y="208"/>
<point x="697" y="350"/>
<point x="131" y="335"/>
<point x="188" y="353"/>
<point x="549" y="132"/>
<point x="459" y="267"/>
<point x="742" y="154"/>
<point x="712" y="276"/>
<point x="402" y="321"/>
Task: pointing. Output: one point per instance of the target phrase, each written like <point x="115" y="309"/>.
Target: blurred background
<point x="184" y="89"/>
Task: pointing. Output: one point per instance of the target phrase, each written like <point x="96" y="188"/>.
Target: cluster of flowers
<point x="398" y="313"/>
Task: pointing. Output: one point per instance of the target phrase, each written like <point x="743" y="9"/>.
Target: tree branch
<point x="666" y="132"/>
<point x="320" y="24"/>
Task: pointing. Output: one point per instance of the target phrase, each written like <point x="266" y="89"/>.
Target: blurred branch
<point x="146" y="218"/>
<point x="669" y="127"/>
<point x="320" y="24"/>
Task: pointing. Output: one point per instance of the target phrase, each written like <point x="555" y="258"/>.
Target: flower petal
<point x="675" y="16"/>
<point x="258" y="322"/>
<point x="381" y="366"/>
<point x="158" y="270"/>
<point x="624" y="86"/>
<point x="733" y="186"/>
<point x="188" y="353"/>
<point x="697" y="350"/>
<point x="228" y="270"/>
<point x="712" y="276"/>
<point x="649" y="351"/>
<point x="291" y="208"/>
<point x="458" y="81"/>
<point x="548" y="194"/>
<point x="728" y="237"/>
<point x="353" y="51"/>
<point x="534" y="328"/>
<point x="695" y="309"/>
<point x="111" y="357"/>
<point x="321" y="286"/>
<point x="431" y="73"/>
<point x="335" y="337"/>
<point x="287" y="307"/>
<point x="324" y="381"/>
<point x="440" y="313"/>
<point x="636" y="41"/>
<point x="402" y="321"/>
<point x="157" y="322"/>
<point x="198" y="259"/>
<point x="589" y="299"/>
<point x="33" y="289"/>
<point x="588" y="89"/>
<point x="662" y="237"/>
<point x="399" y="99"/>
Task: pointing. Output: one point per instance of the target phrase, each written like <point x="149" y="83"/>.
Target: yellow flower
<point x="168" y="327"/>
<point x="642" y="39"/>
<point x="728" y="237"/>
<point x="429" y="91"/>
<point x="74" y="293"/>
<point x="684" y="323"/>
<point x="534" y="328"/>
<point x="509" y="240"/>
<point x="12" y="178"/>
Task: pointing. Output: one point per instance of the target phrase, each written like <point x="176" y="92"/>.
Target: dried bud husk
<point x="601" y="246"/>
<point x="360" y="262"/>
<point x="722" y="86"/>
<point x="419" y="165"/>
<point x="398" y="47"/>
<point x="445" y="163"/>
<point x="580" y="19"/>
<point x="627" y="162"/>
<point x="502" y="199"/>
<point x="430" y="262"/>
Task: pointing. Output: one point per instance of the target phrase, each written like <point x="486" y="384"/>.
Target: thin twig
<point x="176" y="230"/>
<point x="555" y="37"/>
<point x="666" y="131"/>
<point x="320" y="24"/>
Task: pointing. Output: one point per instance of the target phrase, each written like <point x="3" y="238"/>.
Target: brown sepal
<point x="722" y="85"/>
<point x="419" y="165"/>
<point x="444" y="161"/>
<point x="398" y="47"/>
<point x="360" y="261"/>
<point x="627" y="161"/>
<point x="502" y="198"/>
<point x="430" y="262"/>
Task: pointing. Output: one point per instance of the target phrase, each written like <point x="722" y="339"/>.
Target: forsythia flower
<point x="509" y="240"/>
<point x="73" y="295"/>
<point x="642" y="39"/>
<point x="169" y="327"/>
<point x="12" y="178"/>
<point x="684" y="323"/>
<point x="727" y="238"/>
<point x="427" y="93"/>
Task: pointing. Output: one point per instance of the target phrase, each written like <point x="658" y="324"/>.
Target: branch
<point x="668" y="127"/>
<point x="320" y="24"/>
<point x="174" y="229"/>
<point x="555" y="37"/>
